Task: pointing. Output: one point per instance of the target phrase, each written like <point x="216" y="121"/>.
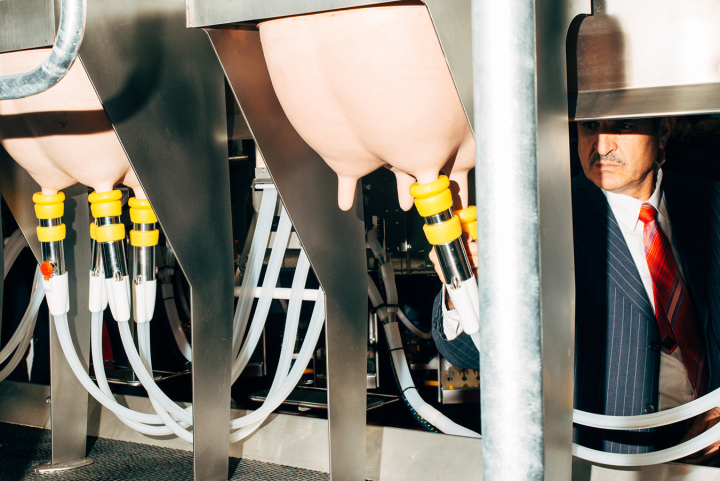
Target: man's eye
<point x="623" y="126"/>
<point x="589" y="125"/>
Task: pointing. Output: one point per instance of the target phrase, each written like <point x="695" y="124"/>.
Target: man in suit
<point x="647" y="278"/>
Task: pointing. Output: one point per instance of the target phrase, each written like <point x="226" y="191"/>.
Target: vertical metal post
<point x="334" y="241"/>
<point x="69" y="400"/>
<point x="508" y="229"/>
<point x="526" y="270"/>
<point x="177" y="145"/>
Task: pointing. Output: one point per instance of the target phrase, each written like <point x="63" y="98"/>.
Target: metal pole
<point x="504" y="69"/>
<point x="58" y="62"/>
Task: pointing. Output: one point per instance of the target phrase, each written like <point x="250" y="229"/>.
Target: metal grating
<point x="25" y="447"/>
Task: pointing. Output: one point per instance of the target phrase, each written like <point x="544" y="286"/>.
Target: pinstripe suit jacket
<point x="617" y="355"/>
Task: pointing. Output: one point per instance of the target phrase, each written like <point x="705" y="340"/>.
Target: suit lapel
<point x="598" y="236"/>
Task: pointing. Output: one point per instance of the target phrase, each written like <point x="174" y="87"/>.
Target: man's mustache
<point x="611" y="157"/>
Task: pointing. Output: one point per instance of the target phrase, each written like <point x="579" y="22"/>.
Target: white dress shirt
<point x="451" y="319"/>
<point x="675" y="388"/>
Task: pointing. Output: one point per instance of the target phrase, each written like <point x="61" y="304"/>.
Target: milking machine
<point x="109" y="237"/>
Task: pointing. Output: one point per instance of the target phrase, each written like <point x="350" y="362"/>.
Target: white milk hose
<point x="645" y="421"/>
<point x="22" y="336"/>
<point x="394" y="339"/>
<point x="391" y="287"/>
<point x="20" y="339"/>
<point x="176" y="419"/>
<point x="15" y="244"/>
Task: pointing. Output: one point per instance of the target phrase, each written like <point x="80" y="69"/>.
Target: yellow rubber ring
<point x="107" y="209"/>
<point x="432" y="198"/>
<point x="106" y="204"/>
<point x="144" y="238"/>
<point x="443" y="233"/>
<point x="466" y="215"/>
<point x="431" y="188"/>
<point x="139" y="203"/>
<point x="92" y="231"/>
<point x="141" y="212"/>
<point x="435" y="204"/>
<point x="468" y="220"/>
<point x="109" y="233"/>
<point x="470" y="228"/>
<point x="50" y="211"/>
<point x="39" y="198"/>
<point x="105" y="196"/>
<point x="51" y="234"/>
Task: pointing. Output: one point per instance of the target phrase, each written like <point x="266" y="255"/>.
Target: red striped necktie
<point x="673" y="308"/>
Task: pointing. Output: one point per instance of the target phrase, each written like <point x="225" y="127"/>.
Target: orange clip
<point x="47" y="269"/>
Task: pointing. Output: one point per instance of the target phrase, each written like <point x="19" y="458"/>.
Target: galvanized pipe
<point x="505" y="107"/>
<point x="58" y="63"/>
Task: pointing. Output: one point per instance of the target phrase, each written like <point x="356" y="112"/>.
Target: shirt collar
<point x="627" y="208"/>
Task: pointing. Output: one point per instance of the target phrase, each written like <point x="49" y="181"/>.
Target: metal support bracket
<point x="69" y="399"/>
<point x="334" y="241"/>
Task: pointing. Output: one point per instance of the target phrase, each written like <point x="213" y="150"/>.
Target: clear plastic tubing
<point x="429" y="413"/>
<point x="317" y="321"/>
<point x="63" y="332"/>
<point x="662" y="418"/>
<point x="146" y="379"/>
<point x="97" y="358"/>
<point x="28" y="318"/>
<point x="315" y="328"/>
<point x="658" y="457"/>
<point x="146" y="358"/>
<point x="176" y="326"/>
<point x="269" y="283"/>
<point x="388" y="275"/>
<point x="24" y="343"/>
<point x="15" y="244"/>
<point x="255" y="263"/>
<point x="289" y="336"/>
<point x="402" y="370"/>
<point x="403" y="318"/>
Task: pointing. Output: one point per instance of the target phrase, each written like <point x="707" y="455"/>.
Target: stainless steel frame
<point x="645" y="58"/>
<point x="527" y="339"/>
<point x="240" y="52"/>
<point x="331" y="238"/>
<point x="164" y="94"/>
<point x="69" y="400"/>
<point x="37" y="28"/>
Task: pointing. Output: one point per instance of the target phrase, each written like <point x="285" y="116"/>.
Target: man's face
<point x="620" y="155"/>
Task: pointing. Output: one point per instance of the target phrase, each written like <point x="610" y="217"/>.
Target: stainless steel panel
<point x="452" y="20"/>
<point x="26" y="24"/>
<point x="646" y="102"/>
<point x="334" y="240"/>
<point x="525" y="225"/>
<point x="553" y="19"/>
<point x="206" y="13"/>
<point x="646" y="57"/>
<point x="69" y="407"/>
<point x="69" y="398"/>
<point x="511" y="357"/>
<point x="163" y="91"/>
